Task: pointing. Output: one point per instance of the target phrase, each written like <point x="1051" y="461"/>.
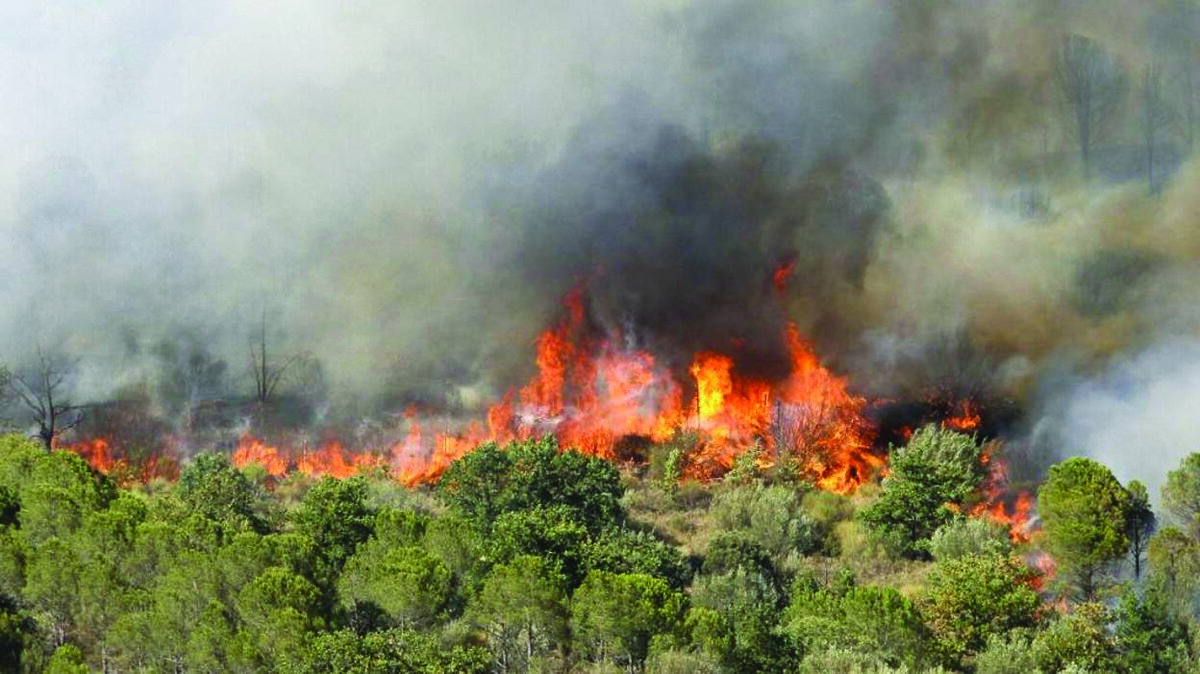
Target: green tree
<point x="392" y="651"/>
<point x="335" y="515"/>
<point x="969" y="599"/>
<point x="60" y="492"/>
<point x="614" y="616"/>
<point x="1174" y="559"/>
<point x="410" y="586"/>
<point x="212" y="487"/>
<point x="522" y="609"/>
<point x="460" y="547"/>
<point x="1150" y="638"/>
<point x="1181" y="494"/>
<point x="101" y="544"/>
<point x="1139" y="525"/>
<point x="490" y="481"/>
<point x="161" y="630"/>
<point x="52" y="587"/>
<point x="1080" y="638"/>
<point x="550" y="533"/>
<point x="735" y="620"/>
<point x="625" y="551"/>
<point x="278" y="608"/>
<point x="18" y="637"/>
<point x="1084" y="510"/>
<point x="930" y="478"/>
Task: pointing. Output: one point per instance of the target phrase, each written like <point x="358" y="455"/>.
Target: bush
<point x="969" y="536"/>
<point x="1007" y="654"/>
<point x="931" y="476"/>
<point x="969" y="599"/>
<point x="681" y="662"/>
<point x="1081" y="639"/>
<point x="769" y="516"/>
<point x="873" y="621"/>
<point x="490" y="481"/>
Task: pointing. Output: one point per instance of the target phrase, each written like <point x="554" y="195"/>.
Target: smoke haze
<point x="405" y="190"/>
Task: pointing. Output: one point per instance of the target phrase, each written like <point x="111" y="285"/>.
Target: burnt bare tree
<point x="267" y="373"/>
<point x="42" y="390"/>
<point x="1093" y="86"/>
<point x="1156" y="116"/>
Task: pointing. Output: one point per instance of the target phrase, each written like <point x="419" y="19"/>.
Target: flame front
<point x="593" y="393"/>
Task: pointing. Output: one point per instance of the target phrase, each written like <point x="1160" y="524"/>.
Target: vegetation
<point x="530" y="558"/>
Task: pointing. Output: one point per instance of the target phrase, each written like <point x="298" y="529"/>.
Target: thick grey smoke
<point x="405" y="190"/>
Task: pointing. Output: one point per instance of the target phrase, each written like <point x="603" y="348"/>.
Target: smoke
<point x="405" y="190"/>
<point x="1138" y="417"/>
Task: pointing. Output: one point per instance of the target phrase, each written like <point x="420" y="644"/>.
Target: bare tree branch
<point x="41" y="391"/>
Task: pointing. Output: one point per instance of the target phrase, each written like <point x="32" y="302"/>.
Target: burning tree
<point x="41" y="390"/>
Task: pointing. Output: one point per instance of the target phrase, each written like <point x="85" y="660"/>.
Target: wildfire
<point x="1000" y="505"/>
<point x="592" y="391"/>
<point x="966" y="418"/>
<point x="330" y="459"/>
<point x="100" y="454"/>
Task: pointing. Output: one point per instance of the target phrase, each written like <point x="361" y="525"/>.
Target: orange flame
<point x="966" y="419"/>
<point x="252" y="451"/>
<point x="100" y="454"/>
<point x="999" y="504"/>
<point x="592" y="393"/>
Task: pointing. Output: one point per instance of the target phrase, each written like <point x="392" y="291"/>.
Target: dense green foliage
<point x="530" y="558"/>
<point x="1181" y="494"/>
<point x="1085" y="511"/>
<point x="931" y="477"/>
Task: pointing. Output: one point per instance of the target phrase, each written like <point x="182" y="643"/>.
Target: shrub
<point x="770" y="516"/>
<point x="969" y="536"/>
